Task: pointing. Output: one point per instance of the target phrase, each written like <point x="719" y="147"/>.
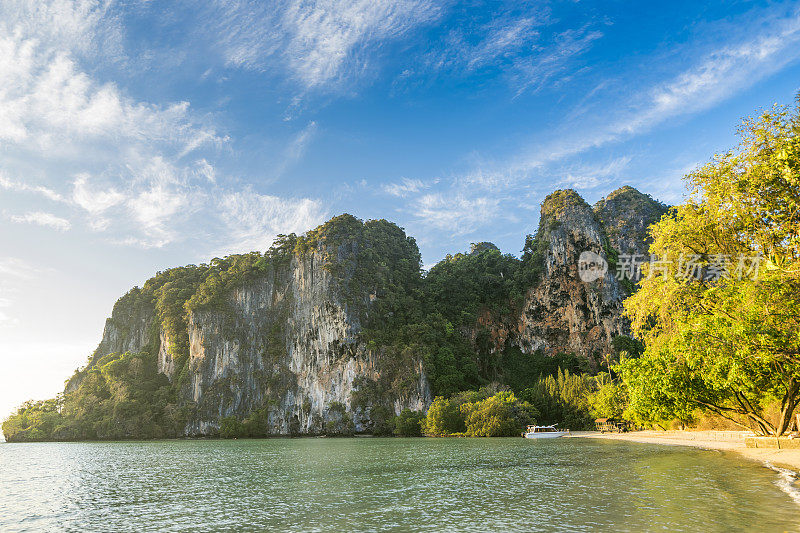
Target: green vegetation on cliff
<point x="122" y="396"/>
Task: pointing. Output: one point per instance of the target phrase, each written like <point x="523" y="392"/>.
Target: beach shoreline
<point x="708" y="440"/>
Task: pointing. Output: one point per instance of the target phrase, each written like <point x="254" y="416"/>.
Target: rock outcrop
<point x="288" y="343"/>
<point x="563" y="312"/>
<point x="286" y="334"/>
<point x="626" y="214"/>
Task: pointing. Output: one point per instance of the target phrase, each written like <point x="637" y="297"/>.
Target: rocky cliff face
<point x="563" y="312"/>
<point x="286" y="334"/>
<point x="625" y="215"/>
<point x="288" y="343"/>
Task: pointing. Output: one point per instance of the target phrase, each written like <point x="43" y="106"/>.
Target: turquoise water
<point x="385" y="484"/>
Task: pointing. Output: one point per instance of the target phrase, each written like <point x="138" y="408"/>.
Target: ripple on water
<point x="384" y="484"/>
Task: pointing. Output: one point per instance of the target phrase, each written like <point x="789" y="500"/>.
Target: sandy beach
<point x="710" y="440"/>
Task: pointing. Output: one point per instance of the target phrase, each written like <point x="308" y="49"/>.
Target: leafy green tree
<point x="728" y="344"/>
<point x="231" y="427"/>
<point x="501" y="415"/>
<point x="562" y="399"/>
<point x="339" y="423"/>
<point x="408" y="423"/>
<point x="610" y="399"/>
<point x="443" y="418"/>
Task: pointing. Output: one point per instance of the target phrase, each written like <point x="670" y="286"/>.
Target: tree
<point x="443" y="418"/>
<point x="720" y="312"/>
<point x="501" y="415"/>
<point x="408" y="423"/>
<point x="610" y="399"/>
<point x="230" y="428"/>
<point x="562" y="399"/>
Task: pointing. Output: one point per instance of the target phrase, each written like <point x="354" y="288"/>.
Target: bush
<point x="478" y="414"/>
<point x="443" y="418"/>
<point x="562" y="399"/>
<point x="408" y="423"/>
<point x="501" y="415"/>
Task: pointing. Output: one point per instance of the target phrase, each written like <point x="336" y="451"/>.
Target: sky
<point x="140" y="135"/>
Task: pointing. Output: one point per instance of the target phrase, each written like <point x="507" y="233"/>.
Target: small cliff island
<point x="338" y="330"/>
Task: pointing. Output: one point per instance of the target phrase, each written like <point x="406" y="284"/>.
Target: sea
<point x="389" y="484"/>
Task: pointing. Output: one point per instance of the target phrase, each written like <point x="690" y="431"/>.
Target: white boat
<point x="544" y="432"/>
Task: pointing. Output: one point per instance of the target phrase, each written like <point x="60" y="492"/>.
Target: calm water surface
<point x="385" y="484"/>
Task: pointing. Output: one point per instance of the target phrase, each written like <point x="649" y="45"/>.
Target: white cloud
<point x="52" y="108"/>
<point x="405" y="188"/>
<point x="205" y="169"/>
<point x="49" y="107"/>
<point x="85" y="26"/>
<point x="485" y="193"/>
<point x="93" y="201"/>
<point x="457" y="213"/>
<point x="299" y="144"/>
<point x="522" y="50"/>
<point x="503" y="38"/>
<point x="533" y="72"/>
<point x="162" y="196"/>
<point x="591" y="176"/>
<point x="18" y="186"/>
<point x="55" y="115"/>
<point x="42" y="219"/>
<point x="716" y="76"/>
<point x="13" y="272"/>
<point x="254" y="220"/>
<point x="297" y="147"/>
<point x="320" y="42"/>
<point x="13" y="267"/>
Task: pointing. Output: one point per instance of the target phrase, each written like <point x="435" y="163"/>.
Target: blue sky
<point x="135" y="136"/>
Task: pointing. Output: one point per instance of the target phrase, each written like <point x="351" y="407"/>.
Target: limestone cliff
<point x="562" y="312"/>
<point x="337" y="329"/>
<point x="625" y="215"/>
<point x="286" y="340"/>
<point x="289" y="343"/>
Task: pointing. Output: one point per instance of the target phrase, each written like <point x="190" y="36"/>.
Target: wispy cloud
<point x="319" y="42"/>
<point x="254" y="220"/>
<point x="495" y="44"/>
<point x="550" y="64"/>
<point x="42" y="219"/>
<point x="457" y="214"/>
<point x="55" y="115"/>
<point x="18" y="186"/>
<point x="591" y="176"/>
<point x="94" y="201"/>
<point x="714" y="77"/>
<point x="405" y="187"/>
<point x="523" y="49"/>
<point x="485" y="193"/>
<point x="13" y="271"/>
<point x="504" y="38"/>
<point x="296" y="147"/>
<point x="13" y="267"/>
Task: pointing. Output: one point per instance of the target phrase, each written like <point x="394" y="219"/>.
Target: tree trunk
<point x="788" y="405"/>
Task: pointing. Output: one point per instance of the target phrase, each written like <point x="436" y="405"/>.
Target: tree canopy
<point x="719" y="312"/>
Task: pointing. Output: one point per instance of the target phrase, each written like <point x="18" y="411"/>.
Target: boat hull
<point x="546" y="435"/>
